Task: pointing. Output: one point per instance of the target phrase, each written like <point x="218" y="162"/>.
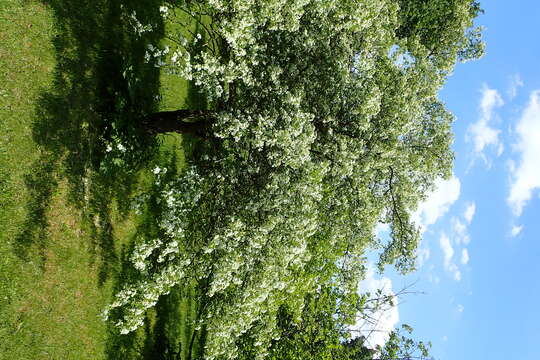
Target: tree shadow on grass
<point x="169" y="328"/>
<point x="40" y="184"/>
<point x="101" y="85"/>
<point x="168" y="332"/>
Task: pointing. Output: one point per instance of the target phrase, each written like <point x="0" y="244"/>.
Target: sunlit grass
<point x="66" y="230"/>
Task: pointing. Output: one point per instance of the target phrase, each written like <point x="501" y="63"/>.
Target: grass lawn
<point x="50" y="295"/>
<point x="65" y="226"/>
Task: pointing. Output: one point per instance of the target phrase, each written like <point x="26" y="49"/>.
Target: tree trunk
<point x="184" y="121"/>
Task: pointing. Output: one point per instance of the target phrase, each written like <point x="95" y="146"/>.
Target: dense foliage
<point x="322" y="333"/>
<point x="324" y="121"/>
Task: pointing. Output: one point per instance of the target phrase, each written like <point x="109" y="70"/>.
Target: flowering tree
<point x="323" y="121"/>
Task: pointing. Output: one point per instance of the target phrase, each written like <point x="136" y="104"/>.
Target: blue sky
<point x="481" y="247"/>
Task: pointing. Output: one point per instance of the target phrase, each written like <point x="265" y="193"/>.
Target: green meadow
<point x="68" y="72"/>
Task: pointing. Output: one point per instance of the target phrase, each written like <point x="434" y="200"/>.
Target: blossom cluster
<point x="138" y="27"/>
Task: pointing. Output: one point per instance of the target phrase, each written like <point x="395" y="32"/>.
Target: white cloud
<point x="422" y="255"/>
<point x="448" y="252"/>
<point x="481" y="132"/>
<point x="516" y="230"/>
<point x="384" y="319"/>
<point x="437" y="203"/>
<point x="526" y="175"/>
<point x="464" y="256"/>
<point x="500" y="149"/>
<point x="459" y="227"/>
<point x="460" y="237"/>
<point x="460" y="308"/>
<point x="469" y="212"/>
<point x="460" y="232"/>
<point x="515" y="84"/>
<point x="447" y="249"/>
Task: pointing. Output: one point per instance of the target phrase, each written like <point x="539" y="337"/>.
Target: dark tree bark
<point x="184" y="121"/>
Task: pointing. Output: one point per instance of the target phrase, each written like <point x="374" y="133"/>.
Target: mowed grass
<point x="65" y="228"/>
<point x="49" y="293"/>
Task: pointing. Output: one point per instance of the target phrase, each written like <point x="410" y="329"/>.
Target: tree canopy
<point x="323" y="121"/>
